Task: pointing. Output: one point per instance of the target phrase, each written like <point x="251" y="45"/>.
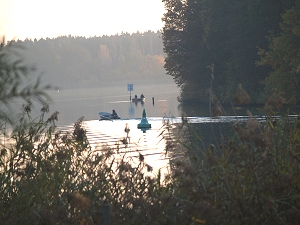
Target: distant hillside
<point x="98" y="61"/>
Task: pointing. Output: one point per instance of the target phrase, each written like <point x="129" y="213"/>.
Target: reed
<point x="53" y="177"/>
<point x="250" y="178"/>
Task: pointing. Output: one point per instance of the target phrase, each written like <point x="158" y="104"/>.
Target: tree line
<point x="69" y="61"/>
<point x="212" y="47"/>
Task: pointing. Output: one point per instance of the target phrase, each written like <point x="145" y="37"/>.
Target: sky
<point x="21" y="19"/>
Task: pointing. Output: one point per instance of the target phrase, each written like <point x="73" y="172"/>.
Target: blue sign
<point x="129" y="87"/>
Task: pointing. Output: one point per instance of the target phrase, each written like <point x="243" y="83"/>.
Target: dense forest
<point x="71" y="62"/>
<point x="212" y="47"/>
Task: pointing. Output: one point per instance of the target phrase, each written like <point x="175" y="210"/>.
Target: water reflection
<point x="203" y="110"/>
<point x="71" y="104"/>
<point x="75" y="103"/>
<point x="112" y="133"/>
<point x="152" y="143"/>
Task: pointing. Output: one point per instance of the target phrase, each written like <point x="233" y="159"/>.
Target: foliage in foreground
<point x="50" y="177"/>
<point x="251" y="178"/>
<point x="53" y="177"/>
<point x="14" y="74"/>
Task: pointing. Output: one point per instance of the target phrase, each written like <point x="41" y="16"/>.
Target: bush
<point x="252" y="180"/>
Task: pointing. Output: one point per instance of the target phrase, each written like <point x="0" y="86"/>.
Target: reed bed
<point x="53" y="177"/>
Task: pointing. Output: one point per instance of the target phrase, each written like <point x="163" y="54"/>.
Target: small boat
<point x="138" y="99"/>
<point x="107" y="116"/>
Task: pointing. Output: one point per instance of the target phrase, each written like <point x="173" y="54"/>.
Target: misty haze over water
<point x="74" y="103"/>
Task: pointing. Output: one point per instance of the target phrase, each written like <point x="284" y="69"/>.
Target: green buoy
<point x="144" y="125"/>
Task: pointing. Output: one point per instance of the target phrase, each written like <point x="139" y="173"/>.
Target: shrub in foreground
<point x="54" y="177"/>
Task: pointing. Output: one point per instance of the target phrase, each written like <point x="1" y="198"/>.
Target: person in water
<point x="142" y="96"/>
<point x="114" y="114"/>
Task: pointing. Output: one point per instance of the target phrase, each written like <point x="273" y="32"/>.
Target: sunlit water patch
<point x="151" y="144"/>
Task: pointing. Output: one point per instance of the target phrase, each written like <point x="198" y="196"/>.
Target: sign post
<point x="130" y="88"/>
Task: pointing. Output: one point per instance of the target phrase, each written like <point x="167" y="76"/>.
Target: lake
<point x="72" y="104"/>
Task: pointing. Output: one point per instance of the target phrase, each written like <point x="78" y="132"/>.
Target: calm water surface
<point x="72" y="104"/>
<point x="110" y="133"/>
